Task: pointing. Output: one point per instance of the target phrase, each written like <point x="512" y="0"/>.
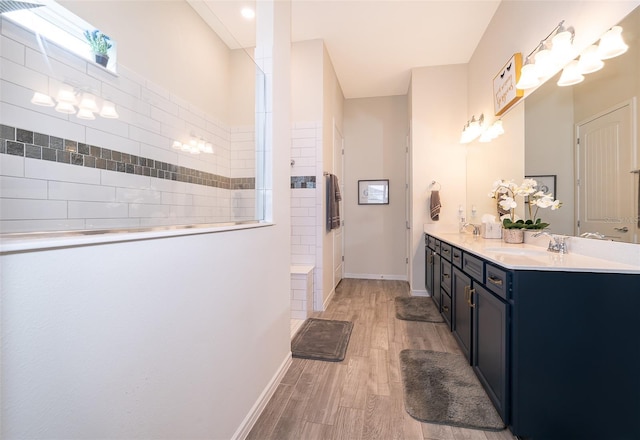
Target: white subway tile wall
<point x="110" y="173"/>
<point x="307" y="218"/>
<point x="301" y="291"/>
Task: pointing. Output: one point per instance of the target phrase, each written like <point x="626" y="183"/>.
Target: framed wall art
<point x="373" y="192"/>
<point x="505" y="93"/>
<point x="546" y="183"/>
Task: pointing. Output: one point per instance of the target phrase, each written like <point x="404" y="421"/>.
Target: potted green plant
<point x="506" y="191"/>
<point x="100" y="45"/>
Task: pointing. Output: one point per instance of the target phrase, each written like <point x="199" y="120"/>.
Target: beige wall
<point x="549" y="137"/>
<point x="375" y="131"/>
<point x="182" y="54"/>
<point x="306" y="81"/>
<point x="437" y="113"/>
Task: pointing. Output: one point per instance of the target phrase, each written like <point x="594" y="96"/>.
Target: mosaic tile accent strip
<point x="19" y="142"/>
<point x="303" y="182"/>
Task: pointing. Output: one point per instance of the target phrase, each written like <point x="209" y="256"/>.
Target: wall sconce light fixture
<point x="68" y="98"/>
<point x="472" y="129"/>
<point x="476" y="128"/>
<point x="492" y="132"/>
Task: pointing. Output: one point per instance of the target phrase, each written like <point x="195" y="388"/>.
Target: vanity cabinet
<point x="428" y="258"/>
<point x="557" y="351"/>
<point x="446" y="295"/>
<point x="474" y="304"/>
<point x="461" y="321"/>
<point x="437" y="288"/>
<point x="432" y="272"/>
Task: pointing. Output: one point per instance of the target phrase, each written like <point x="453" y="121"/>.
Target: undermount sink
<point x="517" y="251"/>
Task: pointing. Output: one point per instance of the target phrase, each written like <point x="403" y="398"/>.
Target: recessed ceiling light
<point x="248" y="13"/>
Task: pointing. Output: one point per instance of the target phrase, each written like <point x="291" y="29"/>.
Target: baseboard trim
<point x="247" y="424"/>
<point x="419" y="293"/>
<point x="372" y="276"/>
<point x="326" y="302"/>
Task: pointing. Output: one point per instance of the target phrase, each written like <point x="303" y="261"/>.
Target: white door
<point x="605" y="182"/>
<point x="338" y="237"/>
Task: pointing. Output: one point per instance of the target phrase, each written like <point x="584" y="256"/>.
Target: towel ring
<point x="433" y="183"/>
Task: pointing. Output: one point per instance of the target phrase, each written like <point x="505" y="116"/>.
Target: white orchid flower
<point x="508" y="203"/>
<point x="544" y="202"/>
<point x="506" y="192"/>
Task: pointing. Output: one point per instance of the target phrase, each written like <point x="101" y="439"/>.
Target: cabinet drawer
<point x="446" y="308"/>
<point x="431" y="242"/>
<point x="456" y="257"/>
<point x="445" y="250"/>
<point x="496" y="280"/>
<point x="473" y="266"/>
<point x="445" y="276"/>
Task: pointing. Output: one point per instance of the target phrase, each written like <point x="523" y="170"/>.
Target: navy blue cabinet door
<point x="461" y="324"/>
<point x="490" y="346"/>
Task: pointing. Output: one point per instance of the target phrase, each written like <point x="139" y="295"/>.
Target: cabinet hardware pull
<point x="471" y="292"/>
<point x="496" y="281"/>
<point x="625" y="229"/>
<point x="445" y="275"/>
<point x="430" y="259"/>
<point x="446" y="251"/>
<point x="445" y="308"/>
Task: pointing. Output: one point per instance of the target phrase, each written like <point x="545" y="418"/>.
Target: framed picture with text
<point x="505" y="93"/>
<point x="373" y="192"/>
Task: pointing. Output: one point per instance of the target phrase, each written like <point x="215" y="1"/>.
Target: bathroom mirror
<point x="601" y="110"/>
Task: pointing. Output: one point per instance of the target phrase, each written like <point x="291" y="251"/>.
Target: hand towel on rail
<point x="333" y="205"/>
<point x="435" y="205"/>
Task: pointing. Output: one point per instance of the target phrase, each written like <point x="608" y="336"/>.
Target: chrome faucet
<point x="557" y="243"/>
<point x="595" y="235"/>
<point x="476" y="228"/>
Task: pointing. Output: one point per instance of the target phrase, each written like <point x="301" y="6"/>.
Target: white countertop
<point x="533" y="255"/>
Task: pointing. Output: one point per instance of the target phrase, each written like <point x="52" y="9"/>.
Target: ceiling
<point x="373" y="44"/>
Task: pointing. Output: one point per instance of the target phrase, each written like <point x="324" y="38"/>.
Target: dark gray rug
<point x="442" y="388"/>
<point x="322" y="340"/>
<point x="417" y="308"/>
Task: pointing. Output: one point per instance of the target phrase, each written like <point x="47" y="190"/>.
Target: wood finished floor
<point x="361" y="397"/>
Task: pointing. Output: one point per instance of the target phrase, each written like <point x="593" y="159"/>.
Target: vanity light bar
<point x="67" y="99"/>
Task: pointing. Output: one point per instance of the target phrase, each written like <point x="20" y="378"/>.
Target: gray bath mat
<point x="442" y="388"/>
<point x="322" y="339"/>
<point x="417" y="308"/>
